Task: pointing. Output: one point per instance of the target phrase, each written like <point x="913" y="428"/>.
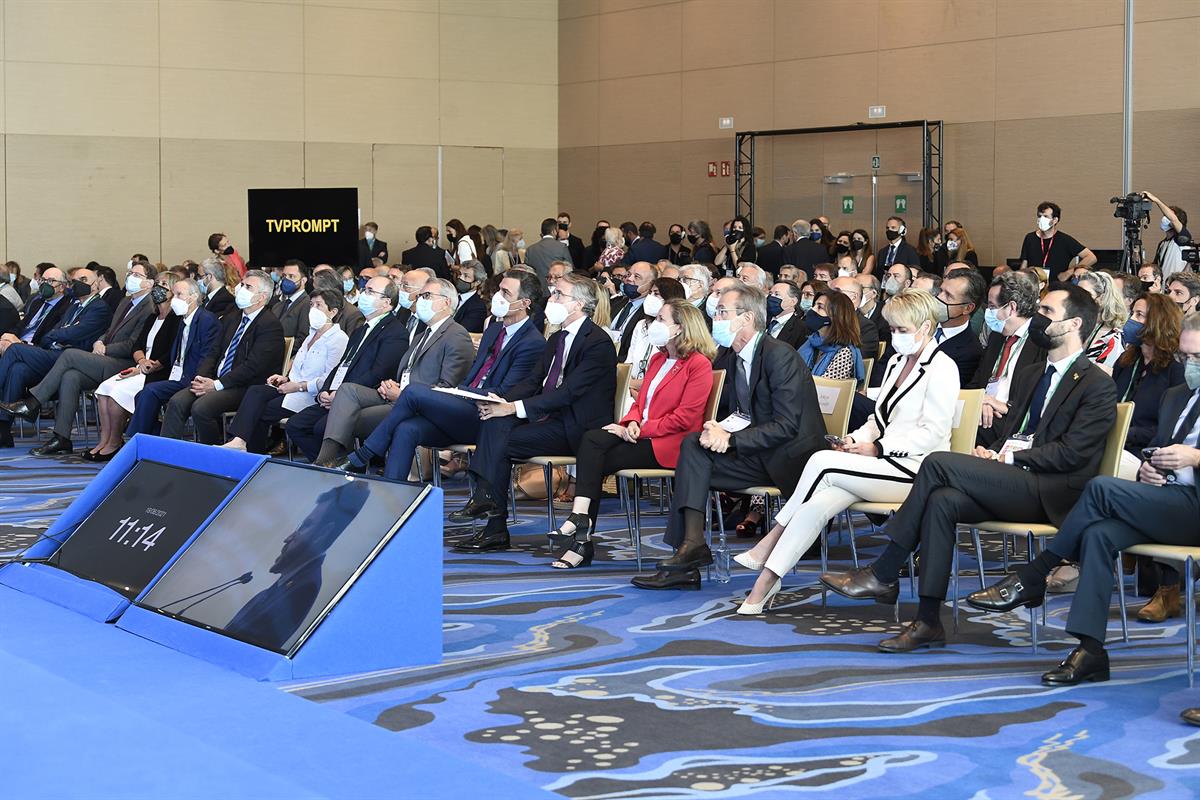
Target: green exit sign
<point x="848" y="204"/>
<point x="901" y="203"/>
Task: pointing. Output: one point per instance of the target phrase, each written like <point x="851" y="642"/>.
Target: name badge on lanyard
<point x="177" y="372"/>
<point x="404" y="379"/>
<point x="339" y="376"/>
<point x="1015" y="444"/>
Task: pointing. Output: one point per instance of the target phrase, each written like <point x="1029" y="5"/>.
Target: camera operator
<point x="1053" y="250"/>
<point x="1169" y="253"/>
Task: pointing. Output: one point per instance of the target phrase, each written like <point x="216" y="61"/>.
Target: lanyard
<point x="1046" y="246"/>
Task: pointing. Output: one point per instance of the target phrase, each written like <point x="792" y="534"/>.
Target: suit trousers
<point x="831" y="483"/>
<point x="1111" y="515"/>
<point x="150" y="400"/>
<point x="261" y="407"/>
<point x="306" y="429"/>
<point x="503" y="440"/>
<point x="75" y="372"/>
<point x="356" y="411"/>
<point x="205" y="412"/>
<point x="601" y="453"/>
<point x="700" y="471"/>
<point x="953" y="488"/>
<point x="421" y="416"/>
<point x="21" y="367"/>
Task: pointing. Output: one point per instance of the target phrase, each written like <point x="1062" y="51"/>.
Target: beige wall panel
<point x="80" y="100"/>
<point x="351" y="41"/>
<point x="470" y="114"/>
<point x="579" y="50"/>
<point x="370" y="110"/>
<point x="204" y="187"/>
<point x="239" y="36"/>
<point x="639" y="182"/>
<point x="855" y="21"/>
<point x="1076" y="86"/>
<point x="568" y="9"/>
<point x="1145" y="10"/>
<point x="741" y="92"/>
<point x="644" y="41"/>
<point x="696" y="189"/>
<point x="1035" y="16"/>
<point x="578" y="181"/>
<point x="473" y="184"/>
<point x="971" y="98"/>
<point x="104" y="191"/>
<point x="253" y="105"/>
<point x="610" y="6"/>
<point x="531" y="191"/>
<point x="918" y="22"/>
<point x="722" y="33"/>
<point x="578" y="115"/>
<point x="336" y="166"/>
<point x="968" y="181"/>
<point x="546" y="10"/>
<point x="1078" y="166"/>
<point x="645" y="109"/>
<point x="857" y="79"/>
<point x="405" y="180"/>
<point x="120" y="32"/>
<point x="499" y="50"/>
<point x="1163" y="80"/>
<point x="1166" y="159"/>
<point x="795" y="167"/>
<point x="420" y="6"/>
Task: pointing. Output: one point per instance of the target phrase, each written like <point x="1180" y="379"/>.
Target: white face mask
<point x="179" y="306"/>
<point x="500" y="306"/>
<point x="243" y="298"/>
<point x="520" y="244"/>
<point x="652" y="304"/>
<point x="710" y="305"/>
<point x="687" y="290"/>
<point x="370" y="236"/>
<point x="317" y="318"/>
<point x="556" y="313"/>
<point x="129" y="265"/>
<point x="952" y="245"/>
<point x="843" y="273"/>
<point x="1044" y="223"/>
<point x="1165" y="224"/>
<point x="424" y="309"/>
<point x="133" y="284"/>
<point x="905" y="343"/>
<point x="659" y="334"/>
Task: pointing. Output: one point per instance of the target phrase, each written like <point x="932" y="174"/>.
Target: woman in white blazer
<point x="284" y="395"/>
<point x="878" y="462"/>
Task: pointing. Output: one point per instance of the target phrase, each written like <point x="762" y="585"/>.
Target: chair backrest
<point x="836" y="398"/>
<point x="475" y="339"/>
<point x="881" y="348"/>
<point x="622" y="390"/>
<point x="966" y="421"/>
<point x="714" y="396"/>
<point x="288" y="341"/>
<point x="1115" y="443"/>
<point x="868" y="365"/>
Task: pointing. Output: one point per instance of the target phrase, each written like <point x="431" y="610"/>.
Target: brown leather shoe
<point x="861" y="584"/>
<point x="1191" y="716"/>
<point x="1165" y="605"/>
<point x="918" y="634"/>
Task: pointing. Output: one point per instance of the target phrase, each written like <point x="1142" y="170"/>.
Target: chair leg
<point x="1121" y="599"/>
<point x="954" y="578"/>
<point x="635" y="527"/>
<point x="824" y="562"/>
<point x="1190" y="618"/>
<point x="512" y="491"/>
<point x="850" y="533"/>
<point x="1033" y="628"/>
<point x="435" y="466"/>
<point x="634" y="495"/>
<point x="978" y="556"/>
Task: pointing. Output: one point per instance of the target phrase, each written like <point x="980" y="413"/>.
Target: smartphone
<point x="834" y="441"/>
<point x="1148" y="452"/>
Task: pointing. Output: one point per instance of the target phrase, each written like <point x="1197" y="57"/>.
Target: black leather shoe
<point x="1191" y="716"/>
<point x="346" y="465"/>
<point x="861" y="584"/>
<point x="6" y="439"/>
<point x="474" y="509"/>
<point x="688" y="557"/>
<point x="1006" y="595"/>
<point x="27" y="409"/>
<point x="102" y="458"/>
<point x="57" y="446"/>
<point x="483" y="542"/>
<point x="669" y="579"/>
<point x="1078" y="667"/>
<point x="918" y="634"/>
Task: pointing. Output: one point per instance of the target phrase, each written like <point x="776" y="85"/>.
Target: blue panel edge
<point x="91" y="599"/>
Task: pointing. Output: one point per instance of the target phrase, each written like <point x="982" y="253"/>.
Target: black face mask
<point x="676" y="238"/>
<point x="462" y="286"/>
<point x="159" y="295"/>
<point x="450" y="237"/>
<point x="814" y="321"/>
<point x="1038" y="325"/>
<point x="80" y="290"/>
<point x="228" y="251"/>
<point x="857" y="244"/>
<point x="843" y="248"/>
<point x="892" y="235"/>
<point x="692" y="238"/>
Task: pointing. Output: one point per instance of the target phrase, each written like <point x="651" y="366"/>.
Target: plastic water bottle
<point x="721" y="561"/>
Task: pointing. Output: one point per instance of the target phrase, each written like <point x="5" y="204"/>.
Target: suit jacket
<point x="539" y="255"/>
<point x="202" y="344"/>
<point x="575" y="248"/>
<point x="1174" y="402"/>
<point x="259" y="352"/>
<point x="584" y="399"/>
<point x="793" y="333"/>
<point x="677" y="407"/>
<point x="373" y="354"/>
<point x="805" y="254"/>
<point x="351" y="318"/>
<point x="786" y="425"/>
<point x="422" y="255"/>
<point x="83" y="330"/>
<point x="294" y="321"/>
<point x="905" y="254"/>
<point x="645" y="250"/>
<point x="220" y="303"/>
<point x="869" y="333"/>
<point x="472" y="314"/>
<point x="112" y="297"/>
<point x="48" y="322"/>
<point x="963" y="348"/>
<point x="126" y="326"/>
<point x="771" y="257"/>
<point x="164" y="343"/>
<point x="515" y="363"/>
<point x="442" y="359"/>
<point x="627" y="331"/>
<point x="1068" y="443"/>
<point x="1148" y="398"/>
<point x="1030" y="354"/>
<point x="10" y="318"/>
<point x="376" y="249"/>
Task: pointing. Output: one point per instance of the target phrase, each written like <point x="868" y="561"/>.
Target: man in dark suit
<point x="569" y="392"/>
<point x="218" y="300"/>
<point x="770" y="391"/>
<point x="898" y="250"/>
<point x="421" y="416"/>
<point x="371" y="246"/>
<point x="77" y="370"/>
<point x="644" y="247"/>
<point x="784" y="323"/>
<point x="292" y="308"/>
<point x="196" y="341"/>
<point x="805" y="252"/>
<point x="472" y="312"/>
<point x="109" y="288"/>
<point x="251" y="350"/>
<point x="771" y="255"/>
<point x="10" y="318"/>
<point x="43" y="312"/>
<point x="426" y="253"/>
<point x="635" y="288"/>
<point x="542" y="253"/>
<point x="961" y="293"/>
<point x="574" y="243"/>
<point x="1113" y="514"/>
<point x="1051" y="448"/>
<point x="372" y="354"/>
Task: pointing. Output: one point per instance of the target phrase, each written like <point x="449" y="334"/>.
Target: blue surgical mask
<point x="1131" y="334"/>
<point x="1165" y="224"/>
<point x="1191" y="374"/>
<point x="710" y="305"/>
<point x="992" y="320"/>
<point x="814" y="321"/>
<point x="288" y="287"/>
<point x="405" y="299"/>
<point x="424" y="309"/>
<point x="760" y="243"/>
<point x="631" y="290"/>
<point x="275" y="277"/>
<point x="348" y="286"/>
<point x="815" y="234"/>
<point x="806" y="303"/>
<point x="722" y="332"/>
<point x="367" y="304"/>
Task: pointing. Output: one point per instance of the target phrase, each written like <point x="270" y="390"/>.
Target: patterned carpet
<point x="582" y="685"/>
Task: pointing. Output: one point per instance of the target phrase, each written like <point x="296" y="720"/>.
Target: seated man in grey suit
<point x="439" y="356"/>
<point x="77" y="371"/>
<point x="292" y="308"/>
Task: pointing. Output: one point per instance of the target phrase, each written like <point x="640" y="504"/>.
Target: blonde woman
<point x="1109" y="343"/>
<point x="614" y="249"/>
<point x="507" y="253"/>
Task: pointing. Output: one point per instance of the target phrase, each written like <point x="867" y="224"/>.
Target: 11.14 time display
<point x="126" y="528"/>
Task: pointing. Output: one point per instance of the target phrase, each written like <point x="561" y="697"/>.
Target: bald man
<point x="866" y="328"/>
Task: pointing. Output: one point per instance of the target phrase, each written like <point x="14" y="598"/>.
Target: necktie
<point x="741" y="385"/>
<point x="554" y="375"/>
<point x="287" y="303"/>
<point x="941" y="334"/>
<point x="1009" y="343"/>
<point x="75" y="309"/>
<point x="491" y="360"/>
<point x="227" y="364"/>
<point x="621" y="317"/>
<point x="1189" y="421"/>
<point x="775" y="326"/>
<point x="414" y="353"/>
<point x="891" y="256"/>
<point x="1039" y="400"/>
<point x="38" y="317"/>
<point x="177" y="348"/>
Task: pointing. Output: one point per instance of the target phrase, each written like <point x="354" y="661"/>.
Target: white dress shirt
<point x="571" y="331"/>
<point x="776" y="325"/>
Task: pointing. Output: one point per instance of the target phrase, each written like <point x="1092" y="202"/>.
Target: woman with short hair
<point x="1107" y="344"/>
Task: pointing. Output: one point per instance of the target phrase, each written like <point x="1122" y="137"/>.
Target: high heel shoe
<point x="583" y="525"/>
<point x="747" y="528"/>
<point x="749" y="562"/>
<point x="579" y="554"/>
<point x="750" y="609"/>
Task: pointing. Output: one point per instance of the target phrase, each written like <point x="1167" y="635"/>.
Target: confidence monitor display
<point x="281" y="553"/>
<point x="317" y="226"/>
<point x="136" y="529"/>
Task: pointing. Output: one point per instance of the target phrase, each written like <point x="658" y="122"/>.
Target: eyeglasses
<point x="1188" y="359"/>
<point x="428" y="295"/>
<point x="723" y="312"/>
<point x="368" y="290"/>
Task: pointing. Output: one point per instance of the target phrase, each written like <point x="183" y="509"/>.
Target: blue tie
<point x="75" y="309"/>
<point x="227" y="364"/>
<point x="1039" y="400"/>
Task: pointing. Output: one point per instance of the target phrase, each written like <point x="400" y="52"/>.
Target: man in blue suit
<point x="23" y="364"/>
<point x="196" y="341"/>
<point x="421" y="416"/>
<point x="372" y="355"/>
<point x="644" y="247"/>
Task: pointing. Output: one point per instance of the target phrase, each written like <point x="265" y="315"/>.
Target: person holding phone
<point x="877" y="462"/>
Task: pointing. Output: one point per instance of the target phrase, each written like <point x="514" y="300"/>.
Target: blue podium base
<point x="91" y="599"/>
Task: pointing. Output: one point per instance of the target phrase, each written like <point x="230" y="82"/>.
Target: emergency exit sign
<point x="848" y="204"/>
<point x="901" y="203"/>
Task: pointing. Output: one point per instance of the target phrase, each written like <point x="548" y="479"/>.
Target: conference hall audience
<point x="772" y="255"/>
<point x="223" y="250"/>
<point x="614" y="248"/>
<point x="641" y="347"/>
<point x="213" y="280"/>
<point x="644" y="247"/>
<point x="573" y="242"/>
<point x="13" y="284"/>
<point x="325" y="279"/>
<point x="635" y="287"/>
<point x="959" y="247"/>
<point x="868" y="332"/>
<point x="547" y="250"/>
<point x="1151" y="277"/>
<point x="1107" y="343"/>
<point x="508" y="252"/>
<point x="1051" y="249"/>
<point x="107" y="285"/>
<point x="805" y="252"/>
<point x="831" y="349"/>
<point x="426" y="253"/>
<point x="371" y="247"/>
<point x="699" y="236"/>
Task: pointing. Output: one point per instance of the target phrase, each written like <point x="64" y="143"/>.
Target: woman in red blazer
<point x="669" y="406"/>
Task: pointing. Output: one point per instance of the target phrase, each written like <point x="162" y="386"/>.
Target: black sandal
<point x="583" y="525"/>
<point x="579" y="554"/>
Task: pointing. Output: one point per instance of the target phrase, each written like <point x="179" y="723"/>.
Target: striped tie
<point x="227" y="364"/>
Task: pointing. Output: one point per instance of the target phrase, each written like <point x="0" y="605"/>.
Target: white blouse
<point x="315" y="359"/>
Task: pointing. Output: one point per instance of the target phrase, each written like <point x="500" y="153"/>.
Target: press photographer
<point x="1170" y="255"/>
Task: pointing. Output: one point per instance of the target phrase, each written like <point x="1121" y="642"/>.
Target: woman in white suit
<point x="878" y="462"/>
